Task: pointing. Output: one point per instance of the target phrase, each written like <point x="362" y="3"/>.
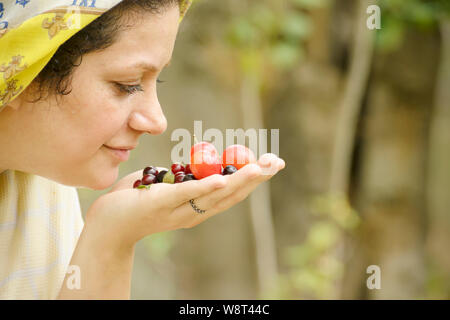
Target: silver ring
<point x="196" y="209"/>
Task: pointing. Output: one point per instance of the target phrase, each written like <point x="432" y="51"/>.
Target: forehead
<point x="146" y="43"/>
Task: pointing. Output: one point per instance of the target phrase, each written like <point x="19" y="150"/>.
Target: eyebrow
<point x="147" y="66"/>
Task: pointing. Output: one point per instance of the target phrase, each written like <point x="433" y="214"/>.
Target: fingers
<point x="273" y="165"/>
<point x="243" y="193"/>
<point x="239" y="186"/>
<point x="186" y="214"/>
<point x="269" y="164"/>
<point x="183" y="192"/>
<point x="238" y="180"/>
<point x="249" y="173"/>
<point x="206" y="192"/>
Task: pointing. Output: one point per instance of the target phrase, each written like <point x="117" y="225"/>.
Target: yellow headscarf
<point x="32" y="31"/>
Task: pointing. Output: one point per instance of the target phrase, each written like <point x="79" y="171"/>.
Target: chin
<point x="101" y="179"/>
<point x="100" y="186"/>
<point x="105" y="181"/>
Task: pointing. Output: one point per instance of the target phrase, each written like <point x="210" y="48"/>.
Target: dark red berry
<point x="187" y="169"/>
<point x="176" y="167"/>
<point x="229" y="170"/>
<point x="146" y="170"/>
<point x="150" y="170"/>
<point x="137" y="183"/>
<point x="179" y="177"/>
<point x="160" y="175"/>
<point x="149" y="179"/>
<point x="189" y="177"/>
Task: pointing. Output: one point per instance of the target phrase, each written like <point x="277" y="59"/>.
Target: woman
<point x="69" y="98"/>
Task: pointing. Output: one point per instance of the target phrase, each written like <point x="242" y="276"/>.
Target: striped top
<point x="40" y="223"/>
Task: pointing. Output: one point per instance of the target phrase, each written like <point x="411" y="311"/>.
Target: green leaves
<point x="243" y="33"/>
<point x="398" y="15"/>
<point x="296" y="26"/>
<point x="273" y="35"/>
<point x="323" y="235"/>
<point x="159" y="245"/>
<point x="316" y="264"/>
<point x="311" y="4"/>
<point x="285" y="55"/>
<point x="390" y="36"/>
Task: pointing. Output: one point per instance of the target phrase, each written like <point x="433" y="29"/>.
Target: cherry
<point x="176" y="167"/>
<point x="160" y="175"/>
<point x="205" y="163"/>
<point x="149" y="179"/>
<point x="238" y="156"/>
<point x="203" y="146"/>
<point x="205" y="160"/>
<point x="179" y="177"/>
<point x="150" y="170"/>
<point x="137" y="183"/>
<point x="229" y="170"/>
<point x="189" y="177"/>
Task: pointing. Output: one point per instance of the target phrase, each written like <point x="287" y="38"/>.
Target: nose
<point x="149" y="119"/>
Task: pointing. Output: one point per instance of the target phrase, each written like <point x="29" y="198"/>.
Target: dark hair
<point x="55" y="78"/>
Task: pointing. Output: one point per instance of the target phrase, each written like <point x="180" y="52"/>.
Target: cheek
<point x="99" y="129"/>
<point x="97" y="119"/>
<point x="95" y="114"/>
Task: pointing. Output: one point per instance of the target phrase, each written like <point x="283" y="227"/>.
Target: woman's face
<point x="67" y="141"/>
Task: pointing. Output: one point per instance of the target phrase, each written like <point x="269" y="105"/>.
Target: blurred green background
<point x="364" y="119"/>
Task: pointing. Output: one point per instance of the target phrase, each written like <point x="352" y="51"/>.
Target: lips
<point x="123" y="153"/>
<point x="121" y="148"/>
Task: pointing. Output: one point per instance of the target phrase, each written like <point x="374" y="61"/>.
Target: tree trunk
<point x="260" y="204"/>
<point x="390" y="186"/>
<point x="438" y="186"/>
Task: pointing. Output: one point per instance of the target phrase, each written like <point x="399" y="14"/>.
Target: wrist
<point x="105" y="266"/>
<point x="105" y="233"/>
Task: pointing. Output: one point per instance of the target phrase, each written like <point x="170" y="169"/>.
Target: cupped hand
<point x="125" y="215"/>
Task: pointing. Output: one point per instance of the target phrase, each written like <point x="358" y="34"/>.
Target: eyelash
<point x="133" y="88"/>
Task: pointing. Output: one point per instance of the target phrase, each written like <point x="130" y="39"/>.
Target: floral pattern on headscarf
<point x="32" y="30"/>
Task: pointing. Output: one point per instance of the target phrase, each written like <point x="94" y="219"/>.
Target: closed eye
<point x="131" y="89"/>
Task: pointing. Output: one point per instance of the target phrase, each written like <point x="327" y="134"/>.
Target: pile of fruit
<point x="205" y="161"/>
